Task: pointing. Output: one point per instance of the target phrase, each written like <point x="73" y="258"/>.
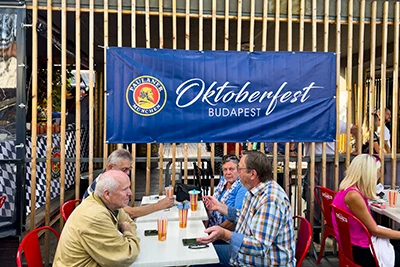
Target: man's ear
<point x="106" y="194"/>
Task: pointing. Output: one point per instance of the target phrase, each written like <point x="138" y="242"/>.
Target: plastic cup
<point x="183" y="215"/>
<point x="169" y="191"/>
<point x="162" y="228"/>
<point x="193" y="199"/>
<point x="392" y="198"/>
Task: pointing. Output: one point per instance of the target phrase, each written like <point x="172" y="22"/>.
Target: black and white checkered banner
<point x="8" y="172"/>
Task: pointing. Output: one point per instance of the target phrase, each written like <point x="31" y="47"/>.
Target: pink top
<point x="358" y="235"/>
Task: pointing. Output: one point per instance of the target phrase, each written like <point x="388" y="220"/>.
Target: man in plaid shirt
<point x="264" y="234"/>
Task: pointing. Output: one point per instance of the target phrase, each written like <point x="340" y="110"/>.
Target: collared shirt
<point x="264" y="234"/>
<point x="233" y="197"/>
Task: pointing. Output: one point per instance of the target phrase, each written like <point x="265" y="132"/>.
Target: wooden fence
<point x="363" y="34"/>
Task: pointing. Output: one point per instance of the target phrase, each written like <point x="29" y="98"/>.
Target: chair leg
<point x="321" y="251"/>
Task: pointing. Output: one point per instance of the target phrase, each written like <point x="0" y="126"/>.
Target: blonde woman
<point x="358" y="186"/>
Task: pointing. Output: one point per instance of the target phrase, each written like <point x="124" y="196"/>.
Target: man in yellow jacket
<point x="99" y="232"/>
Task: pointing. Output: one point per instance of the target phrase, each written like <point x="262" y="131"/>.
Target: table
<point x="172" y="213"/>
<point x="172" y="252"/>
<point x="392" y="213"/>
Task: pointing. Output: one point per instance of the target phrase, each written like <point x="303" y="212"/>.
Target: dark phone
<point x="190" y="242"/>
<point x="150" y="232"/>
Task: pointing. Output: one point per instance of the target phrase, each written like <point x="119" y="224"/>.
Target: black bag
<point x="182" y="191"/>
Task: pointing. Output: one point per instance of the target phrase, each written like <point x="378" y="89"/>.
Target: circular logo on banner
<point x="146" y="95"/>
<point x="55" y="166"/>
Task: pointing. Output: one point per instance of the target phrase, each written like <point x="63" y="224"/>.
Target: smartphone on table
<point x="150" y="232"/>
<point x="193" y="244"/>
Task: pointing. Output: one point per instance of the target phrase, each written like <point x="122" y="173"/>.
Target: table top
<point x="392" y="213"/>
<point x="172" y="252"/>
<point x="172" y="213"/>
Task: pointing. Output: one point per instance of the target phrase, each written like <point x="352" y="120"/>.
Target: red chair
<point x="68" y="207"/>
<point x="342" y="218"/>
<point x="2" y="200"/>
<point x="324" y="197"/>
<point x="304" y="236"/>
<point x="31" y="247"/>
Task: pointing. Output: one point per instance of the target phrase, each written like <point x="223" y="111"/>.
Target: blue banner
<point x="161" y="95"/>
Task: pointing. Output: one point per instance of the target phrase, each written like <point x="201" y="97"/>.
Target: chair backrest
<point x="2" y="200"/>
<point x="304" y="236"/>
<point x="68" y="207"/>
<point x="31" y="247"/>
<point x="342" y="219"/>
<point x="324" y="197"/>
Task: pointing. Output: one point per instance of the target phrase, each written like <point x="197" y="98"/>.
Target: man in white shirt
<point x="386" y="136"/>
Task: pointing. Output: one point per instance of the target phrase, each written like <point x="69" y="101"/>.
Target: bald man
<point x="99" y="232"/>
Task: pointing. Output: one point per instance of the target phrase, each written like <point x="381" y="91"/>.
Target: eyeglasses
<point x="227" y="158"/>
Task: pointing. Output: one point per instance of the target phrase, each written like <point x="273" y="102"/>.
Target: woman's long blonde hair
<point x="362" y="173"/>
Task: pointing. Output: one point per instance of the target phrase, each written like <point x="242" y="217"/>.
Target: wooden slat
<point x="277" y="15"/>
<point x="63" y="114"/>
<point x="78" y="99"/>
<point x="105" y="150"/>
<point x="395" y="111"/>
<point x="360" y="82"/>
<point x="349" y="71"/>
<point x="337" y="50"/>
<point x="161" y="168"/>
<point x="91" y="89"/>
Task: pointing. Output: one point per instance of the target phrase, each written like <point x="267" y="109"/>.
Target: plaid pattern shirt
<point x="264" y="234"/>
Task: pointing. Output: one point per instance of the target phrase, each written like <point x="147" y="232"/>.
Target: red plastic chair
<point x="68" y="207"/>
<point x="304" y="236"/>
<point x="342" y="218"/>
<point x="324" y="197"/>
<point x="2" y="200"/>
<point x="31" y="247"/>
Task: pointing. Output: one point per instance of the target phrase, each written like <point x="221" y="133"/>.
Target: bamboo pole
<point x="105" y="150"/>
<point x="185" y="163"/>
<point x="91" y="88"/>
<point x="34" y="113"/>
<point x="187" y="25"/>
<point x="264" y="26"/>
<point x="133" y="152"/>
<point x="77" y="99"/>
<point x="161" y="168"/>
<point x="383" y="88"/>
<point x="161" y="23"/>
<point x="147" y="23"/>
<point x="395" y="91"/>
<point x="119" y="35"/>
<point x="338" y="43"/>
<point x="214" y="25"/>
<point x="299" y="179"/>
<point x="252" y="15"/>
<point x="148" y="166"/>
<point x="201" y="29"/>
<point x="213" y="168"/>
<point x="301" y="25"/>
<point x="187" y="47"/>
<point x="360" y="82"/>
<point x="287" y="170"/>
<point x="349" y="77"/>
<point x="289" y="26"/>
<point x="173" y="165"/>
<point x="174" y="41"/>
<point x="372" y="90"/>
<point x="226" y="32"/>
<point x="287" y="145"/>
<point x="277" y="15"/>
<point x="100" y="112"/>
<point x="239" y="26"/>
<point x="63" y="113"/>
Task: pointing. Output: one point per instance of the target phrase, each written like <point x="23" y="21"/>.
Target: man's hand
<point x="166" y="202"/>
<point x="211" y="202"/>
<point x="125" y="226"/>
<point x="215" y="233"/>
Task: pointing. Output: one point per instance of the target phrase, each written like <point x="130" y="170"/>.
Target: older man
<point x="99" y="232"/>
<point x="121" y="160"/>
<point x="264" y="234"/>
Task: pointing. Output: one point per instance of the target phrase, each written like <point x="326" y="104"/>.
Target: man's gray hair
<point x="119" y="155"/>
<point x="105" y="181"/>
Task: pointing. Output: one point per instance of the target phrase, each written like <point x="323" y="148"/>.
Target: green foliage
<point x="56" y="92"/>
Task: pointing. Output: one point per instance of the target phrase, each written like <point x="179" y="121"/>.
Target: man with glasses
<point x="122" y="160"/>
<point x="264" y="233"/>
